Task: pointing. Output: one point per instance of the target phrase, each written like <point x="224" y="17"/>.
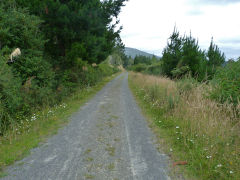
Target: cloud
<point x="213" y="2"/>
<point x="230" y="41"/>
<point x="194" y="12"/>
<point x="147" y="24"/>
<point x="230" y="52"/>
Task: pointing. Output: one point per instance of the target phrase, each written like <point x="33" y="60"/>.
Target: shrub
<point x="10" y="95"/>
<point x="139" y="67"/>
<point x="155" y="69"/>
<point x="227" y="84"/>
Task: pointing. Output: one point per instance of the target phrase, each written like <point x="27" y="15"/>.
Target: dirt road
<point x="107" y="139"/>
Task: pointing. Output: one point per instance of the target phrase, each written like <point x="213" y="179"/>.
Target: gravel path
<point x="108" y="139"/>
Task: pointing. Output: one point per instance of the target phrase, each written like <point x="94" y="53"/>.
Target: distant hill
<point x="135" y="52"/>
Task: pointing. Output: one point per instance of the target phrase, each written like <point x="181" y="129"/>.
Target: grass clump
<point x="192" y="127"/>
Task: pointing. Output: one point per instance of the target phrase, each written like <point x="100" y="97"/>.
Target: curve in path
<point x="107" y="139"/>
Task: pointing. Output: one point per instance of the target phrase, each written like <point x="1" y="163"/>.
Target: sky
<point x="147" y="24"/>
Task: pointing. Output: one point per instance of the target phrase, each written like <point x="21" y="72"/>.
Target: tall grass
<point x="197" y="129"/>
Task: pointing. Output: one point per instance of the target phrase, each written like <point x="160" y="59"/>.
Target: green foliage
<point x="139" y="67"/>
<point x="155" y="69"/>
<point x="183" y="56"/>
<point x="215" y="59"/>
<point x="181" y="71"/>
<point x="59" y="41"/>
<point x="192" y="57"/>
<point x="11" y="98"/>
<point x="172" y="54"/>
<point x="142" y="60"/>
<point x="186" y="85"/>
<point x="87" y="23"/>
<point x="227" y="84"/>
<point x="19" y="29"/>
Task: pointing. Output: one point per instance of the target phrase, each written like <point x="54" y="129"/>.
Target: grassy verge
<point x="190" y="127"/>
<point x="17" y="143"/>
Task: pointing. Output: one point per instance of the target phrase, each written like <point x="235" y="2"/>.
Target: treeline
<point x="61" y="42"/>
<point x="182" y="57"/>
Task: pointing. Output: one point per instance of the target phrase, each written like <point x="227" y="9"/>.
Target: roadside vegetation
<point x="22" y="137"/>
<point x="193" y="99"/>
<point x="62" y="47"/>
<point x="60" y="50"/>
<point x="193" y="128"/>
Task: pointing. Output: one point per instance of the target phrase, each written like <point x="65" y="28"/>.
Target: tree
<point x="215" y="59"/>
<point x="193" y="58"/>
<point x="172" y="53"/>
<point x="85" y="22"/>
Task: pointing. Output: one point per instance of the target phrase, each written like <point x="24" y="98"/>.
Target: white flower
<point x="231" y="172"/>
<point x="219" y="165"/>
<point x="178" y="138"/>
<point x="171" y="149"/>
<point x="177" y="127"/>
<point x="159" y="121"/>
<point x="208" y="157"/>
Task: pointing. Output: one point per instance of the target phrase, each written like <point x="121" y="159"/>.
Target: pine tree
<point x="215" y="59"/>
<point x="172" y="53"/>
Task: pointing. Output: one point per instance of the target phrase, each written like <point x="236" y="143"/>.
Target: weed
<point x="89" y="176"/>
<point x="111" y="150"/>
<point x="89" y="159"/>
<point x="111" y="166"/>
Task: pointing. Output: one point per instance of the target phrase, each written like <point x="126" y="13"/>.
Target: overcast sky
<point x="147" y="24"/>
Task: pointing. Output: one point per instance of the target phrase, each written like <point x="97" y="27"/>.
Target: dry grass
<point x="199" y="130"/>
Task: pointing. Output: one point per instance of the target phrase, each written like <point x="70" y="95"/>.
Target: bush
<point x="139" y="67"/>
<point x="186" y="85"/>
<point x="155" y="69"/>
<point x="10" y="95"/>
<point x="227" y="84"/>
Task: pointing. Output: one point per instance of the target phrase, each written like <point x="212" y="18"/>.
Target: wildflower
<point x="219" y="165"/>
<point x="177" y="127"/>
<point x="33" y="118"/>
<point x="171" y="149"/>
<point x="159" y="121"/>
<point x="178" y="138"/>
<point x="208" y="157"/>
<point x="231" y="172"/>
